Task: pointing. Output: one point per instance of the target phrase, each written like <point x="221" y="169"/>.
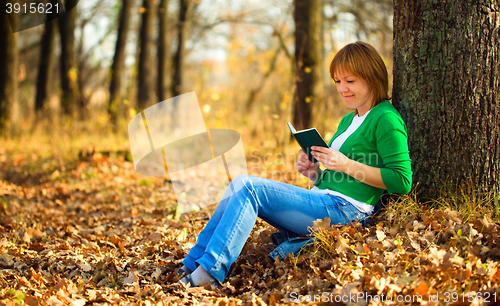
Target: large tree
<point x="308" y="68"/>
<point x="447" y="88"/>
<point x="118" y="67"/>
<point x="69" y="75"/>
<point x="8" y="62"/>
<point x="146" y="92"/>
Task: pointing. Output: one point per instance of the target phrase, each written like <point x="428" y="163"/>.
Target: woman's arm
<point x="336" y="161"/>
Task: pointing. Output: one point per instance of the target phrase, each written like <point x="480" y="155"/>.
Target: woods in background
<point x="163" y="34"/>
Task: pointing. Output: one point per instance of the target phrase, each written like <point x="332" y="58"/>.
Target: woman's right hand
<point x="307" y="168"/>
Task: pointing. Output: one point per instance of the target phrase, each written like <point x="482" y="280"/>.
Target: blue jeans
<point x="286" y="207"/>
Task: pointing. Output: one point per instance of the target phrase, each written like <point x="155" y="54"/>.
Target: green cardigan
<point x="380" y="141"/>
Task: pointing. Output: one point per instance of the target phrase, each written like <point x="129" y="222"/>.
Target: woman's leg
<point x="282" y="205"/>
<point x="204" y="237"/>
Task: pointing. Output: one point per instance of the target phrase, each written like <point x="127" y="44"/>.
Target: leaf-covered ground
<point x="95" y="232"/>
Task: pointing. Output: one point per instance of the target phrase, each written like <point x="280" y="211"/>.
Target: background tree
<point x="69" y="75"/>
<point x="47" y="56"/>
<point x="146" y="93"/>
<point x="307" y="17"/>
<point x="447" y="88"/>
<point x="86" y="70"/>
<point x="185" y="9"/>
<point x="163" y="52"/>
<point x="8" y="62"/>
<point x="118" y="67"/>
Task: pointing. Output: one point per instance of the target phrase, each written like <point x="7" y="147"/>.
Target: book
<point x="306" y="139"/>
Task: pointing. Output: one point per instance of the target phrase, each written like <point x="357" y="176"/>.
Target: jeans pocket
<point x="348" y="210"/>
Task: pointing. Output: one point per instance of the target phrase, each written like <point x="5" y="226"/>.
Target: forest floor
<point x="94" y="232"/>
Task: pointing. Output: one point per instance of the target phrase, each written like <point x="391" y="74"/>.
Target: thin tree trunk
<point x="146" y="93"/>
<point x="309" y="87"/>
<point x="69" y="74"/>
<point x="185" y="10"/>
<point x="47" y="55"/>
<point x="118" y="67"/>
<point x="447" y="88"/>
<point x="163" y="52"/>
<point x="8" y="62"/>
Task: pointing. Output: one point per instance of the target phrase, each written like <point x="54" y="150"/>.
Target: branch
<point x="91" y="49"/>
<point x="280" y="37"/>
<point x="255" y="92"/>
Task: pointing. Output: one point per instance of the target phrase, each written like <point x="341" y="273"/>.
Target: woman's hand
<point x="307" y="168"/>
<point x="331" y="159"/>
<point x="336" y="161"/>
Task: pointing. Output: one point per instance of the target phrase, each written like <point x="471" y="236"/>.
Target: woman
<point x="368" y="155"/>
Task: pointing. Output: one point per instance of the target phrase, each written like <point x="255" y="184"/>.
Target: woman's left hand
<point x="332" y="159"/>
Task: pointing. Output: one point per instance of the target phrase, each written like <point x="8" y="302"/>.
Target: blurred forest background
<point x="252" y="64"/>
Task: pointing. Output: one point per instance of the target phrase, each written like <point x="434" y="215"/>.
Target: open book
<point x="308" y="138"/>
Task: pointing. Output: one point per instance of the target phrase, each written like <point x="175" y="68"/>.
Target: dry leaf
<point x="156" y="273"/>
<point x="380" y="235"/>
<point x="31" y="301"/>
<point x="79" y="302"/>
<point x="422" y="289"/>
<point x="53" y="301"/>
<point x="85" y="266"/>
<point x="324" y="224"/>
<point x="155" y="237"/>
<point x="26" y="237"/>
<point x="131" y="279"/>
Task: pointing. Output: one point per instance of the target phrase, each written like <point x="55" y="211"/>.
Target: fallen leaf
<point x="79" y="302"/>
<point x="131" y="279"/>
<point x="85" y="266"/>
<point x="380" y="235"/>
<point x="156" y="273"/>
<point x="155" y="237"/>
<point x="53" y="301"/>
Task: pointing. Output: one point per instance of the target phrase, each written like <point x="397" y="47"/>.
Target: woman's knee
<point x="243" y="180"/>
<point x="246" y="183"/>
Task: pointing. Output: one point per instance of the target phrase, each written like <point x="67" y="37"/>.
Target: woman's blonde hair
<point x="363" y="61"/>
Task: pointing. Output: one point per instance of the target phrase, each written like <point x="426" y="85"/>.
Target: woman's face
<point x="356" y="92"/>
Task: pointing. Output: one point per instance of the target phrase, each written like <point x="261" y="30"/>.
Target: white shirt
<point x="336" y="144"/>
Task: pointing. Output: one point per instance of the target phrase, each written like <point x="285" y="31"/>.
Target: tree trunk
<point x="309" y="91"/>
<point x="47" y="55"/>
<point x="186" y="7"/>
<point x="69" y="74"/>
<point x="8" y="62"/>
<point x="118" y="67"/>
<point x="163" y="52"/>
<point x="447" y="88"/>
<point x="146" y="94"/>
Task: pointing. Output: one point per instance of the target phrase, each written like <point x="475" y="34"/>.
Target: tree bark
<point x="163" y="52"/>
<point x="47" y="55"/>
<point x="309" y="87"/>
<point x="69" y="74"/>
<point x="447" y="88"/>
<point x="186" y="7"/>
<point x="146" y="93"/>
<point x="118" y="66"/>
<point x="8" y="73"/>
